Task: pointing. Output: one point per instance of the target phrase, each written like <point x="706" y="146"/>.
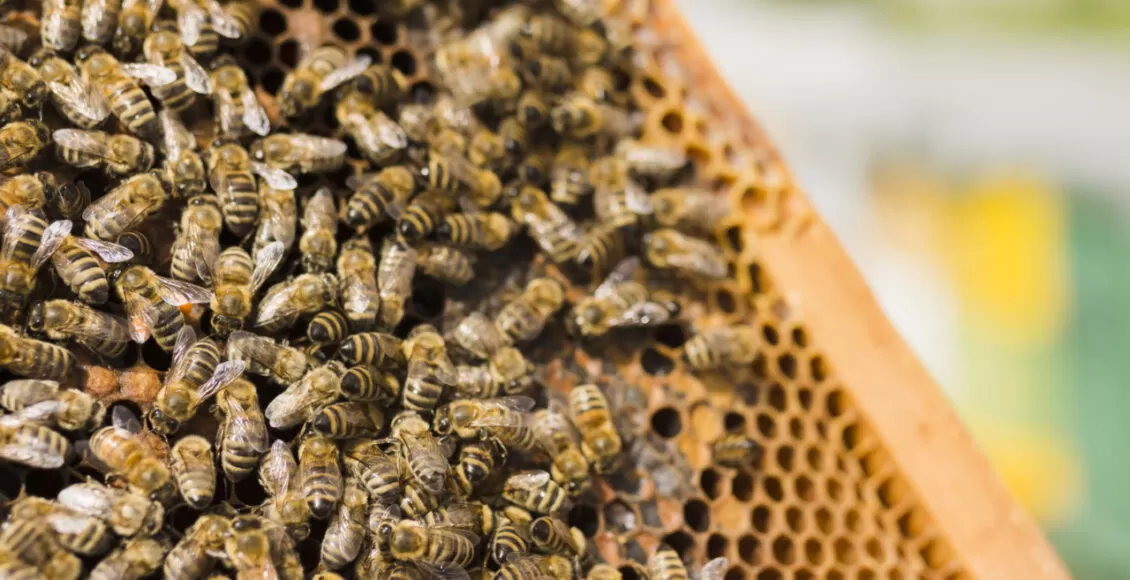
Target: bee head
<point x="35" y="318"/>
<point x="163" y="423"/>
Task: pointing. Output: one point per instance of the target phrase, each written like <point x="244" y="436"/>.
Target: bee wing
<point x="442" y="571"/>
<point x="276" y="178"/>
<point x="78" y="94"/>
<point x="225" y="373"/>
<point x="87" y="499"/>
<point x="109" y="252"/>
<point x="528" y="479"/>
<point x="277" y="305"/>
<point x="517" y="404"/>
<point x="427" y="462"/>
<point x="713" y="569"/>
<point x="223" y="23"/>
<point x="204" y="249"/>
<point x="179" y="292"/>
<point x="620" y="274"/>
<point x="95" y="329"/>
<point x="245" y="425"/>
<point x="254" y="116"/>
<point x="53" y="237"/>
<point x="36" y="453"/>
<point x="150" y="74"/>
<point x="14" y="38"/>
<point x="637" y="200"/>
<point x="349" y="71"/>
<point x="190" y="22"/>
<point x="16" y="228"/>
<point x="278" y="468"/>
<point x="27" y="392"/>
<point x="113" y="208"/>
<point x="703" y="259"/>
<point x="644" y="314"/>
<point x="227" y="112"/>
<point x="186" y="337"/>
<point x="65" y="523"/>
<point x="321" y="147"/>
<point x="376" y="134"/>
<point x="266" y="261"/>
<point x="321" y="210"/>
<point x="83" y="141"/>
<point x="194" y="75"/>
<point x="124" y="419"/>
<point x="38" y="413"/>
<point x="140" y="320"/>
<point x="354" y="298"/>
<point x="355" y="181"/>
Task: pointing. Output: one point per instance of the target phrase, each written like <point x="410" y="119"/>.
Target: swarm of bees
<point x="384" y="438"/>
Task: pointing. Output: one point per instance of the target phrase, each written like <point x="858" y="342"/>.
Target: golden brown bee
<point x="79" y="261"/>
<point x="247" y="548"/>
<point x="237" y="281"/>
<point x="302" y="399"/>
<point x="137" y="558"/>
<point x="238" y="20"/>
<point x="568" y="178"/>
<point x="325" y="68"/>
<point x="532" y="567"/>
<point x="534" y="491"/>
<point x="379" y="196"/>
<point x="120" y="451"/>
<point x="509" y="537"/>
<point x="600" y="442"/>
<point x="194" y="556"/>
<point x="394" y="281"/>
<point x="278" y="474"/>
<point x="72" y="95"/>
<point x="735" y="450"/>
<point x="548" y="73"/>
<point x="278" y="219"/>
<point x="135" y="20"/>
<point x="19" y="78"/>
<point x="231" y="173"/>
<point x="126" y="206"/>
<point x="242" y="438"/>
<point x="665" y="564"/>
<point x="34" y="358"/>
<point x="153" y="302"/>
<point x="580" y="116"/>
<point x="429" y="369"/>
<point x="422" y="214"/>
<point x="550" y="227"/>
<point x="195" y="375"/>
<point x="373" y="348"/>
<point x="265" y="357"/>
<point x="117" y="155"/>
<point x="319" y="469"/>
<point x="448" y="170"/>
<point x="183" y="166"/>
<point x="550" y="535"/>
<point x="21" y="255"/>
<point x="696" y="259"/>
<point x="360" y="293"/>
<point x="488" y="231"/>
<point x="506" y="372"/>
<point x="194" y="470"/>
<point x="21" y="142"/>
<point x="30" y="443"/>
<point x="424" y="457"/>
<point x="286" y="301"/>
<point x="300" y="153"/>
<point x="722" y="347"/>
<point x="378" y="471"/>
<point x="380" y="138"/>
<point x="476" y="462"/>
<point x="446" y="264"/>
<point x="197" y="245"/>
<point x="434" y="545"/>
<point x="69" y="409"/>
<point x="618" y="201"/>
<point x="82" y="534"/>
<point x="380" y="83"/>
<point x="504" y="418"/>
<point x="318" y="244"/>
<point x="118" y="83"/>
<point x="523" y="318"/>
<point x="29" y="191"/>
<point x="348" y="528"/>
<point x="598" y="83"/>
<point x="238" y="110"/>
<point x="620" y="302"/>
<point x="102" y="333"/>
<point x="163" y="48"/>
<point x="604" y="246"/>
<point x="689" y="209"/>
<point x="99" y="20"/>
<point x="651" y="162"/>
<point x="560" y="440"/>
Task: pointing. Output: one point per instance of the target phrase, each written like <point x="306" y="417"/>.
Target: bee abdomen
<point x="327" y="327"/>
<point x="348" y="420"/>
<point x="89" y="279"/>
<point x="240" y="205"/>
<point x="239" y="459"/>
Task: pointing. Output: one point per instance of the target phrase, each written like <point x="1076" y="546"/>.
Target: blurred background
<point x="971" y="155"/>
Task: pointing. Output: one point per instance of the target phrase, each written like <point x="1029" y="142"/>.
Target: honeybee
<point x="237" y="281"/>
<point x="442" y="546"/>
<point x="283" y="364"/>
<point x="503" y="418"/>
<point x="560" y="440"/>
<point x="381" y="83"/>
<point x="380" y="138"/>
<point x="195" y="375"/>
<point x="651" y="162"/>
<point x="231" y="173"/>
<point x="201" y="23"/>
<point x="75" y="532"/>
<point x="378" y="471"/>
<point x="475" y="230"/>
<point x="183" y="165"/>
<point x="568" y="178"/>
<point x="689" y="209"/>
<point x="139" y="245"/>
<point x="476" y="462"/>
<point x="422" y="214"/>
<point x="604" y="245"/>
<point x="598" y="83"/>
<point x="523" y="318"/>
<point x="423" y="455"/>
<point x="235" y="20"/>
<point x="600" y="442"/>
<point x="20" y="79"/>
<point x="197" y="245"/>
<point x="326" y="67"/>
<point x="194" y="470"/>
<point x="163" y="47"/>
<point x="118" y="83"/>
<point x="248" y="548"/>
<point x="547" y="73"/>
<point x="446" y="264"/>
<point x="360" y="294"/>
<point x="668" y="249"/>
<point x="318" y="243"/>
<point x="29" y="191"/>
<point x="550" y="535"/>
<point x="300" y="152"/>
<point x="620" y="302"/>
<point x="34" y="358"/>
<point x="429" y="369"/>
<point x="448" y="170"/>
<point x="278" y="474"/>
<point x="117" y="155"/>
<point x="534" y="491"/>
<point x="303" y="399"/>
<point x="286" y="301"/>
<point x="126" y="206"/>
<point x="135" y="20"/>
<point x="278" y="219"/>
<point x="119" y="450"/>
<point x="102" y="333"/>
<point x="580" y="116"/>
<point x="665" y="564"/>
<point x="509" y="541"/>
<point x="532" y="110"/>
<point x="506" y="372"/>
<point x="30" y="443"/>
<point x="348" y="527"/>
<point x="327" y="327"/>
<point x="194" y="556"/>
<point x="21" y="255"/>
<point x="618" y="201"/>
<point x="370" y="384"/>
<point x="127" y="513"/>
<point x="721" y="347"/>
<point x="471" y="83"/>
<point x="349" y="420"/>
<point x="373" y="348"/>
<point x="237" y="108"/>
<point x="735" y="450"/>
<point x="152" y="304"/>
<point x="534" y="567"/>
<point x="551" y="228"/>
<point x="21" y="142"/>
<point x="242" y="437"/>
<point x="99" y="20"/>
<point x="72" y="95"/>
<point x="73" y="410"/>
<point x="137" y="558"/>
<point x="319" y="469"/>
<point x="377" y="196"/>
<point x="478" y="335"/>
<point x="394" y="281"/>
